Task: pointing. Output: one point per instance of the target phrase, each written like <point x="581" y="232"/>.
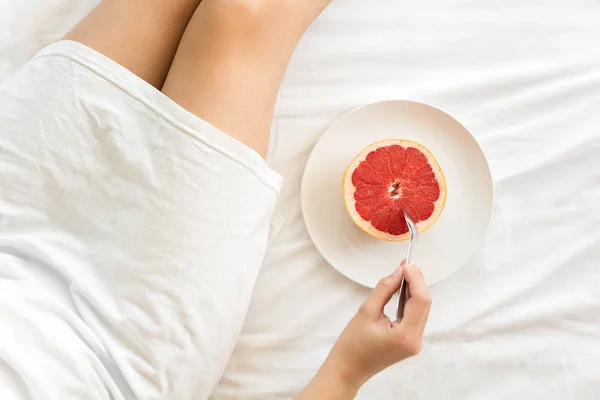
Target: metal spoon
<point x="403" y="291"/>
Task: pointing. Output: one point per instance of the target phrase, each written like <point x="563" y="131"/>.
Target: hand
<point x="371" y="342"/>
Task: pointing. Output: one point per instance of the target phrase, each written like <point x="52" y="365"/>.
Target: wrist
<point x="339" y="373"/>
<point x="329" y="384"/>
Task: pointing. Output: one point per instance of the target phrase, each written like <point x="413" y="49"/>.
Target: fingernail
<point x="398" y="272"/>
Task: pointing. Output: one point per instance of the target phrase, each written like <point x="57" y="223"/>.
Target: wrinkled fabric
<point x="131" y="235"/>
<point x="521" y="320"/>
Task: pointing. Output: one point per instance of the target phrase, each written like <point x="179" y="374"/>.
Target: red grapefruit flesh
<point x="387" y="177"/>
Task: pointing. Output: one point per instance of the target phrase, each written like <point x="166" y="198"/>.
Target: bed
<point x="522" y="319"/>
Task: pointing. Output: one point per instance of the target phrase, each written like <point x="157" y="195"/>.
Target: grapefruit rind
<point x="348" y="190"/>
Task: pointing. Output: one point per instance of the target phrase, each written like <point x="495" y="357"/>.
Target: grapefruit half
<point x="389" y="176"/>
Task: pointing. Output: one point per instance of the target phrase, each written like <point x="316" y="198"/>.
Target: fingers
<point x="416" y="310"/>
<point x="382" y="293"/>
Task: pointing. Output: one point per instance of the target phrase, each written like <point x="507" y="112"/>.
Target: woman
<point x="136" y="203"/>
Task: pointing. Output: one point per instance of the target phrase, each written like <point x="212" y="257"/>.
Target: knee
<point x="253" y="13"/>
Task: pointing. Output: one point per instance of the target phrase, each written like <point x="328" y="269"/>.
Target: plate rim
<point x="409" y="101"/>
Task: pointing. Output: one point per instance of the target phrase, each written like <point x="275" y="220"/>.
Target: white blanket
<point x="522" y="320"/>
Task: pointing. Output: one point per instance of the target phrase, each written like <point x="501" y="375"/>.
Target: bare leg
<point x="231" y="60"/>
<point x="141" y="35"/>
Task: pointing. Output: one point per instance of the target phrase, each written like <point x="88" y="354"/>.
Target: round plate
<point x="442" y="249"/>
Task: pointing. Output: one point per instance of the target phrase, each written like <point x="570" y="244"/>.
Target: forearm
<point x="330" y="384"/>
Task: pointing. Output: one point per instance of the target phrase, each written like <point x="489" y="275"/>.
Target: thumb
<point x="416" y="310"/>
<point x="382" y="293"/>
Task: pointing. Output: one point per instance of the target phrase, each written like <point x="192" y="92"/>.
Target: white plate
<point x="442" y="249"/>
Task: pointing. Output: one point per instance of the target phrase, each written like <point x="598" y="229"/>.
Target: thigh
<point x="141" y="35"/>
<point x="231" y="60"/>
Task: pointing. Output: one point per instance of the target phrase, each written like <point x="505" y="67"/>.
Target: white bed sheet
<point x="522" y="319"/>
